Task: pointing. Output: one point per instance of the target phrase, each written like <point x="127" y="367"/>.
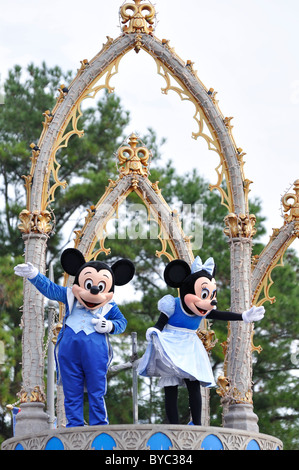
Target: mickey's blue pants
<point x="84" y="360"/>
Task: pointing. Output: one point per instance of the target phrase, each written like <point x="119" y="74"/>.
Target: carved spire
<point x="139" y="16"/>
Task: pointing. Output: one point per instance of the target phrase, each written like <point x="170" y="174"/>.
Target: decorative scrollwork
<point x="36" y="222"/>
<point x="129" y="157"/>
<point x="138" y="21"/>
<point x="48" y="118"/>
<point x="208" y="338"/>
<point x="240" y="226"/>
<point x="36" y="395"/>
<point x="204" y="129"/>
<point x="223" y="384"/>
<point x="259" y="348"/>
<point x="291" y="209"/>
<point x="226" y="391"/>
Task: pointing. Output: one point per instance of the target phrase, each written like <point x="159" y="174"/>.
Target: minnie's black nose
<point x="214" y="303"/>
<point x="94" y="290"/>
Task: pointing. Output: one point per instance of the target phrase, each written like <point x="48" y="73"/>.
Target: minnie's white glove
<point x="101" y="325"/>
<point x="26" y="270"/>
<point x="253" y="314"/>
<point x="150" y="331"/>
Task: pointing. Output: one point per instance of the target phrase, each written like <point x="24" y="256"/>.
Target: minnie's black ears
<point x="123" y="271"/>
<point x="176" y="272"/>
<point x="72" y="260"/>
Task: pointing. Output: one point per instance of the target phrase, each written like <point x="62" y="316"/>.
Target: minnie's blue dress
<point x="176" y="353"/>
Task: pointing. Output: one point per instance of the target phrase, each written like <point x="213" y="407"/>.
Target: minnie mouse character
<point x="175" y="353"/>
<point x="83" y="351"/>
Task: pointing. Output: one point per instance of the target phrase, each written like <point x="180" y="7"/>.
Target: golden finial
<point x="292" y="208"/>
<point x="134" y="159"/>
<point x="139" y="22"/>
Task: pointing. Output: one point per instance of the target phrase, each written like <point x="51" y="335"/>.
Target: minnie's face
<point x="93" y="288"/>
<point x="204" y="299"/>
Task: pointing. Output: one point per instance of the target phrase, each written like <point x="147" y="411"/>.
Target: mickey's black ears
<point x="176" y="272"/>
<point x="123" y="271"/>
<point x="72" y="260"/>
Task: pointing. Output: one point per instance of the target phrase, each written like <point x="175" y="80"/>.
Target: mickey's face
<point x="204" y="298"/>
<point x="94" y="288"/>
<point x="94" y="280"/>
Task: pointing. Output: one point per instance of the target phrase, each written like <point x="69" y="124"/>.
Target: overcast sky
<point x="246" y="50"/>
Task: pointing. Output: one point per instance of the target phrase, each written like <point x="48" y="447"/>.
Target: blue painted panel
<point x="211" y="442"/>
<point x="103" y="442"/>
<point x="54" y="444"/>
<point x="253" y="445"/>
<point x="159" y="441"/>
<point x="19" y="447"/>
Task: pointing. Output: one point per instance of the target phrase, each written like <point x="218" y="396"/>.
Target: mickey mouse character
<point x="175" y="353"/>
<point x="83" y="351"/>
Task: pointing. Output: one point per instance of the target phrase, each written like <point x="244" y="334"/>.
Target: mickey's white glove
<point x="102" y="325"/>
<point x="253" y="314"/>
<point x="150" y="331"/>
<point x="26" y="270"/>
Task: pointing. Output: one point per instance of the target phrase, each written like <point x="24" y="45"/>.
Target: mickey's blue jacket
<point x="65" y="295"/>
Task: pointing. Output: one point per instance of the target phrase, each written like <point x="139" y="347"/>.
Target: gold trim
<point x="205" y="129"/>
<point x="36" y="395"/>
<point x="138" y="21"/>
<point x="129" y="157"/>
<point x="240" y="226"/>
<point x="259" y="348"/>
<point x="227" y="393"/>
<point x="267" y="281"/>
<point x="36" y="222"/>
<point x="223" y="386"/>
<point x="293" y="208"/>
<point x="208" y="338"/>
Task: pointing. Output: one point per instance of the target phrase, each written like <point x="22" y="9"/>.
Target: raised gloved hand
<point x="101" y="325"/>
<point x="253" y="314"/>
<point x="150" y="331"/>
<point x="26" y="270"/>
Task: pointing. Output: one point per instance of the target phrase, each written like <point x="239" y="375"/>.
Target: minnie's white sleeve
<point x="166" y="305"/>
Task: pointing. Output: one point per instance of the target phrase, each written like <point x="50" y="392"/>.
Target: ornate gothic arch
<point x="43" y="179"/>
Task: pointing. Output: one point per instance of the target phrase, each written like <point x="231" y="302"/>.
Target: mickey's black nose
<point x="94" y="290"/>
